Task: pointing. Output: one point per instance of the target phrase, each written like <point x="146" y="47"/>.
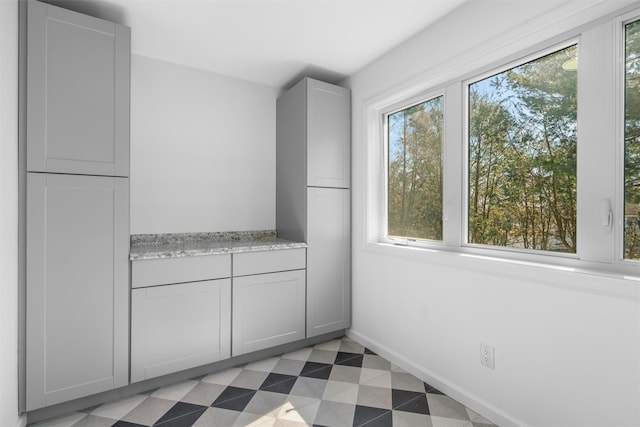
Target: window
<point x="522" y="138"/>
<point x="632" y="142"/>
<point x="496" y="171"/>
<point x="414" y="171"/>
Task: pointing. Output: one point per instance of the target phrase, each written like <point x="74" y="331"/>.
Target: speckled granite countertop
<point x="153" y="246"/>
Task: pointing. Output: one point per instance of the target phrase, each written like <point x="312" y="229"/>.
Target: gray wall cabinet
<point x="313" y="197"/>
<point x="77" y="286"/>
<point x="77" y="93"/>
<point x="77" y="205"/>
<point x="268" y="303"/>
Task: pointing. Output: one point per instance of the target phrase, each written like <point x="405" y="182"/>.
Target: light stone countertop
<point x="155" y="246"/>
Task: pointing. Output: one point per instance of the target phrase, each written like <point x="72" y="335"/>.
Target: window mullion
<point x="597" y="145"/>
<point x="454" y="171"/>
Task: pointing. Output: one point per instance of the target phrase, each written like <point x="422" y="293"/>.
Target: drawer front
<point x="151" y="272"/>
<point x="248" y="263"/>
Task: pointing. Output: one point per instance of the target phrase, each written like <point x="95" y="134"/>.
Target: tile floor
<point x="336" y="383"/>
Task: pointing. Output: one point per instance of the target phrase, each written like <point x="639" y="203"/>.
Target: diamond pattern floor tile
<point x="339" y="383"/>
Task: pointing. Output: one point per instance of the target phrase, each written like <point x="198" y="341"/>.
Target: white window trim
<point x="598" y="252"/>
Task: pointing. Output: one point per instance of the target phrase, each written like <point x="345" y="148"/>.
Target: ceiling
<point x="272" y="42"/>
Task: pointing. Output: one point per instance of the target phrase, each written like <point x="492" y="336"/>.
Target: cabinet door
<point x="268" y="310"/>
<point x="328" y="135"/>
<point x="77" y="93"/>
<point x="77" y="286"/>
<point x="328" y="261"/>
<point x="177" y="327"/>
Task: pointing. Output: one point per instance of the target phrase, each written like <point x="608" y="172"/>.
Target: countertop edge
<point x="159" y="254"/>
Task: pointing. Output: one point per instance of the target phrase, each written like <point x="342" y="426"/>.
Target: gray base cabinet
<point x="268" y="310"/>
<point x="269" y="293"/>
<point x="179" y="326"/>
<point x="77" y="286"/>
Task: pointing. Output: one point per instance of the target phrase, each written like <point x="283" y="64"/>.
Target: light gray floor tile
<point x="377" y="397"/>
<point x="176" y="391"/>
<point x="299" y="408"/>
<point x="338" y="391"/>
<point x="94" y="421"/>
<point x="449" y="422"/>
<point x="349" y="346"/>
<point x="309" y="387"/>
<point x="224" y="377"/>
<point x="375" y="362"/>
<point x="287" y="423"/>
<point x="217" y="417"/>
<point x="265" y="365"/>
<point x="149" y="411"/>
<point x="302" y="354"/>
<point x="347" y="374"/>
<point x="333" y="345"/>
<point x="204" y="394"/>
<point x="247" y="419"/>
<point x="408" y="419"/>
<point x="249" y="379"/>
<point x="375" y="377"/>
<point x="406" y="381"/>
<point x="446" y="407"/>
<point x="322" y="356"/>
<point x="288" y="367"/>
<point x="335" y="414"/>
<point x="119" y="409"/>
<point x="266" y="403"/>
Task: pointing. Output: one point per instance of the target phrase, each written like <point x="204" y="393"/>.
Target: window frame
<point x="598" y="251"/>
<point x="395" y="108"/>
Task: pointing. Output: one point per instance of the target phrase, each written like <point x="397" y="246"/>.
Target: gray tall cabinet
<point x="77" y="226"/>
<point x="313" y="195"/>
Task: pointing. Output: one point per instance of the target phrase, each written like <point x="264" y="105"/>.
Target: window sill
<point x="608" y="279"/>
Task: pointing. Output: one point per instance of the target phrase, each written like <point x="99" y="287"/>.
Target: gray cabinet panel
<point x="77" y="93"/>
<point x="268" y="310"/>
<point x="291" y="164"/>
<point x="181" y="326"/>
<point x="328" y="261"/>
<point x="328" y="135"/>
<point x="77" y="286"/>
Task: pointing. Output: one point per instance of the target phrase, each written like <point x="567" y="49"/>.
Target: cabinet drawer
<point x="150" y="272"/>
<point x="248" y="263"/>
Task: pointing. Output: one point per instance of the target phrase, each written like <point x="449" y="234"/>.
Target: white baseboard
<point x="452" y="390"/>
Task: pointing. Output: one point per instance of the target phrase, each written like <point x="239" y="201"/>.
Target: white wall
<point x="567" y="344"/>
<point x="202" y="150"/>
<point x="9" y="214"/>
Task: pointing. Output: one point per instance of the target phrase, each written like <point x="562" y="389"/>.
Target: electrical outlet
<point x="487" y="356"/>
